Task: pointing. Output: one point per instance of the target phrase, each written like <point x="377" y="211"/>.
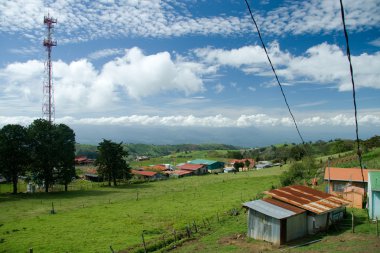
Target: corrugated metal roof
<point x="284" y="205"/>
<point x="346" y="174"/>
<point x="188" y="166"/>
<point x="144" y="173"/>
<point x="202" y="161"/>
<point x="269" y="209"/>
<point x="307" y="198"/>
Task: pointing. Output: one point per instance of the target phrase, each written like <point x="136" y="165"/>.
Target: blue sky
<point x="193" y="71"/>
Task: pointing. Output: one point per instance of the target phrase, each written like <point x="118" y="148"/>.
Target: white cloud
<point x="218" y="88"/>
<point x="79" y="86"/>
<point x="323" y="64"/>
<point x="375" y="42"/>
<point x="217" y="121"/>
<point x="300" y="17"/>
<point x="167" y="18"/>
<point x="251" y="88"/>
<point x="105" y="53"/>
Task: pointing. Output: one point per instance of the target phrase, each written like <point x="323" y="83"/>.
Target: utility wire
<point x="359" y="151"/>
<point x="274" y="71"/>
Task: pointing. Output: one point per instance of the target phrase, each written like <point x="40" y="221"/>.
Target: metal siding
<point x="263" y="227"/>
<point x="296" y="227"/>
<point x="320" y="223"/>
<point x="375" y="205"/>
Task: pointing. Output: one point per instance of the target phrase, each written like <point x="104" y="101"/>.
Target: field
<point x="92" y="220"/>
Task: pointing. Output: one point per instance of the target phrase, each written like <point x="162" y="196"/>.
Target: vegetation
<point x="93" y="219"/>
<point x="44" y="152"/>
<point x="111" y="161"/>
<point x="300" y="172"/>
<point x="14" y="152"/>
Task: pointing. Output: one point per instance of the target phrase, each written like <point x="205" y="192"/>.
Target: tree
<point x="238" y="165"/>
<point x="53" y="153"/>
<point x="14" y="152"/>
<point x="64" y="145"/>
<point x="43" y="153"/>
<point x="297" y="152"/>
<point x="111" y="161"/>
<point x="247" y="163"/>
<point x="299" y="172"/>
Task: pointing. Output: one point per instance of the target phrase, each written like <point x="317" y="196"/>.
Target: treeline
<point x="282" y="153"/>
<point x="154" y="150"/>
<point x="43" y="153"/>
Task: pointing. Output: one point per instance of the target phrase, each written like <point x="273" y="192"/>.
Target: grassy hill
<point x="91" y="220"/>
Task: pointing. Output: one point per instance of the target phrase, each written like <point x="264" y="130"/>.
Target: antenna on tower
<point x="48" y="108"/>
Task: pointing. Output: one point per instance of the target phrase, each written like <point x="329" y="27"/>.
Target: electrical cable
<point x="359" y="152"/>
<point x="275" y="74"/>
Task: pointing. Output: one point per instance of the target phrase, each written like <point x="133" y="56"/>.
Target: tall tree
<point x="111" y="161"/>
<point x="14" y="152"/>
<point x="64" y="148"/>
<point x="43" y="152"/>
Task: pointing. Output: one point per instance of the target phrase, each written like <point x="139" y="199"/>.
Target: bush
<point x="300" y="172"/>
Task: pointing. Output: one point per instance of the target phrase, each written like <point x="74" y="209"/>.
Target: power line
<point x="359" y="152"/>
<point x="274" y="71"/>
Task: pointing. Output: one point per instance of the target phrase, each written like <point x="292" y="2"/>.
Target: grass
<point x="91" y="220"/>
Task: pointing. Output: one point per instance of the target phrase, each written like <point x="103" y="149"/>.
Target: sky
<point x="193" y="71"/>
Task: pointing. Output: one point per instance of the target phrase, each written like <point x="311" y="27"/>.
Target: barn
<point x="275" y="221"/>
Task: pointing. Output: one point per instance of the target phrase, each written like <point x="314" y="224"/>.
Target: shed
<point x="374" y="194"/>
<point x="322" y="207"/>
<point x="355" y="195"/>
<point x="275" y="221"/>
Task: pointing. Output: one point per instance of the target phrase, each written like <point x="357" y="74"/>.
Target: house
<point x="322" y="208"/>
<point x="347" y="183"/>
<point x="339" y="178"/>
<point x="197" y="169"/>
<point x="212" y="166"/>
<point x="274" y="221"/>
<point x="151" y="175"/>
<point x="179" y="173"/>
<point x="83" y="160"/>
<point x="355" y="195"/>
<point x="374" y="194"/>
<point x="91" y="174"/>
<point x="251" y="163"/>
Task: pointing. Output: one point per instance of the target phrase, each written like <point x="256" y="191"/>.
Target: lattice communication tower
<point x="48" y="108"/>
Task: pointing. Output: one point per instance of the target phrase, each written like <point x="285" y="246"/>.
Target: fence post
<point x="377" y="227"/>
<point x="175" y="236"/>
<point x="195" y="226"/>
<point x="31" y="250"/>
<point x="112" y="249"/>
<point x="353" y="223"/>
<point x="217" y="216"/>
<point x="143" y="240"/>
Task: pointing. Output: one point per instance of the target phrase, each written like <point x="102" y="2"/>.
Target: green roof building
<point x="212" y="166"/>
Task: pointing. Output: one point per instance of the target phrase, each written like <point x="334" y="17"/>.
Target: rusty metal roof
<point x="307" y="198"/>
<point x="271" y="209"/>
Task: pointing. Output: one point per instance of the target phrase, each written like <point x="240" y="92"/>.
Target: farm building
<point x="322" y="207"/>
<point x="151" y="175"/>
<point x="374" y="194"/>
<point x="275" y="221"/>
<point x="212" y="166"/>
<point x="347" y="183"/>
<point x="197" y="169"/>
<point x="179" y="173"/>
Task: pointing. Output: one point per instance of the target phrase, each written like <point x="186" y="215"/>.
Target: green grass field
<point x="91" y="220"/>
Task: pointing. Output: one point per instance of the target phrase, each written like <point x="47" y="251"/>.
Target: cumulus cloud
<point x="79" y="84"/>
<point x="322" y="64"/>
<point x="216" y="121"/>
